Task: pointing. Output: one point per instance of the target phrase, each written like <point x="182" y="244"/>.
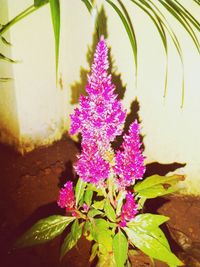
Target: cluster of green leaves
<point x="100" y="224"/>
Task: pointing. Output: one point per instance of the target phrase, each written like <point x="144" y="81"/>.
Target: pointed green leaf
<point x="44" y="230"/>
<point x="157" y="185"/>
<point x="94" y="212"/>
<point x="105" y="240"/>
<point x="5" y="41"/>
<point x="106" y="260"/>
<point x="130" y="33"/>
<point x="94" y="252"/>
<point x="99" y="204"/>
<point x="120" y="249"/>
<point x="157" y="191"/>
<point x="55" y="16"/>
<point x="19" y="17"/>
<point x="156" y="180"/>
<point x="79" y="191"/>
<point x="183" y="21"/>
<point x="38" y="3"/>
<point x="147" y="221"/>
<point x="88" y="5"/>
<point x="174" y="38"/>
<point x="153" y="243"/>
<point x="4" y="58"/>
<point x="188" y="15"/>
<point x="109" y="211"/>
<point x="5" y="79"/>
<point x="88" y="197"/>
<point x="121" y="196"/>
<point x="72" y="238"/>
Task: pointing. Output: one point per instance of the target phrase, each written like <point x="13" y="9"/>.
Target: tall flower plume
<point x="129" y="161"/>
<point x="100" y="118"/>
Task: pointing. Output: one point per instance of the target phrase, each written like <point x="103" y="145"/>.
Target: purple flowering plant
<point x="106" y="204"/>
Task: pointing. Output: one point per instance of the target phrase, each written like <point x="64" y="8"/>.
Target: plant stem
<point x="110" y="190"/>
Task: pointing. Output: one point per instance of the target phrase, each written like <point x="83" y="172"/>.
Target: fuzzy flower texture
<point x="100" y="118"/>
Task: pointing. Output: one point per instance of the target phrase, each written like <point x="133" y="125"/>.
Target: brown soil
<point x="29" y="190"/>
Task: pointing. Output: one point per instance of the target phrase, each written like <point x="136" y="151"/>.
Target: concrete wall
<point x="9" y="126"/>
<point x="171" y="133"/>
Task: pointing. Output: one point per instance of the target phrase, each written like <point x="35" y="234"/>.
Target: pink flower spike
<point x="91" y="167"/>
<point x="66" y="197"/>
<point x="129" y="209"/>
<point x="129" y="161"/>
<point x="100" y="117"/>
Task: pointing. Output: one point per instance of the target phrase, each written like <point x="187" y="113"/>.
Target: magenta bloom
<point x="66" y="197"/>
<point x="100" y="117"/>
<point x="129" y="209"/>
<point x="91" y="167"/>
<point x="129" y="161"/>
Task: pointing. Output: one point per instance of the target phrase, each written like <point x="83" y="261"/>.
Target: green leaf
<point x="38" y="3"/>
<point x="87" y="231"/>
<point x="97" y="226"/>
<point x="188" y="15"/>
<point x="72" y="238"/>
<point x="55" y="16"/>
<point x="99" y="204"/>
<point x="129" y="31"/>
<point x="106" y="260"/>
<point x="5" y="41"/>
<point x="88" y="197"/>
<point x="94" y="212"/>
<point x="120" y="198"/>
<point x="88" y="5"/>
<point x="19" y="17"/>
<point x="147" y="221"/>
<point x="79" y="191"/>
<point x="94" y="252"/>
<point x="4" y="58"/>
<point x="120" y="249"/>
<point x="5" y="79"/>
<point x="95" y="189"/>
<point x="157" y="185"/>
<point x="157" y="180"/>
<point x="153" y="243"/>
<point x="158" y="22"/>
<point x="109" y="211"/>
<point x="141" y="202"/>
<point x="157" y="191"/>
<point x="44" y="230"/>
<point x="105" y="240"/>
<point x="182" y="20"/>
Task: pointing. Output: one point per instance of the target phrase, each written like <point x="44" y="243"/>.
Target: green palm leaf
<point x="129" y="31"/>
<point x="55" y="16"/>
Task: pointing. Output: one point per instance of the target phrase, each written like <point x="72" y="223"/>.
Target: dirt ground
<point x="29" y="190"/>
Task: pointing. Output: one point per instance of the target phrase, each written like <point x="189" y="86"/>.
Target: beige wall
<point x="171" y="133"/>
<point x="9" y="125"/>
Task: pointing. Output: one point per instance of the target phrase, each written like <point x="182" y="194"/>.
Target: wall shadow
<point x="67" y="175"/>
<point x="162" y="169"/>
<point x="130" y="118"/>
<point x="78" y="87"/>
